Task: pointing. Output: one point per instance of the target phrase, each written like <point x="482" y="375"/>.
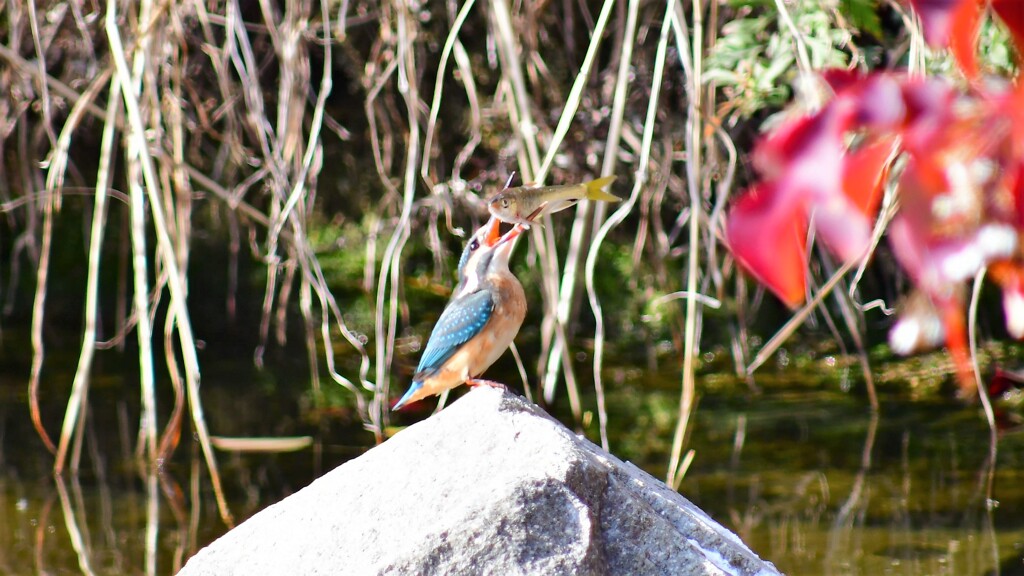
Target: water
<point x="818" y="486"/>
<point x="803" y="473"/>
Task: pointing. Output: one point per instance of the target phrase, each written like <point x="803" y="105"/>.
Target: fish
<point x="520" y="205"/>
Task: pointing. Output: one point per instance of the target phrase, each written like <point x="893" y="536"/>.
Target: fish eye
<point x="505" y="202"/>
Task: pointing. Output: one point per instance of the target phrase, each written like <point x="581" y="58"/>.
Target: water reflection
<point x="101" y="544"/>
<point x="78" y="532"/>
<point x="810" y="480"/>
<point x="842" y="531"/>
<point x="819" y="488"/>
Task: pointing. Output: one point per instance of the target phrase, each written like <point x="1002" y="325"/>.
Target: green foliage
<point x="995" y="49"/>
<point x="995" y="54"/>
<point x="754" y="59"/>
<point x="862" y="15"/>
<point x="341" y="250"/>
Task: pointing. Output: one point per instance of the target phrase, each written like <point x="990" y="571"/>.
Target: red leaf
<point x="842" y="79"/>
<point x="1011" y="12"/>
<point x="1003" y="381"/>
<point x="802" y="162"/>
<point x="1014" y="107"/>
<point x="963" y="36"/>
<point x="917" y="329"/>
<point x="865" y="172"/>
<point x="1018" y="195"/>
<point x="767" y="233"/>
<point x="951" y="310"/>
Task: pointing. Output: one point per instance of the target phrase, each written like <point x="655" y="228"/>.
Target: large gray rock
<point x="491" y="485"/>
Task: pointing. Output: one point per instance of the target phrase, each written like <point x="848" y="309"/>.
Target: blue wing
<point x="461" y="320"/>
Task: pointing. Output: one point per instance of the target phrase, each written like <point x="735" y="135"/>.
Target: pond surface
<point x="804" y="474"/>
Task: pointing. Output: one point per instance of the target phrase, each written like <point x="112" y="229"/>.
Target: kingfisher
<point x="484" y="314"/>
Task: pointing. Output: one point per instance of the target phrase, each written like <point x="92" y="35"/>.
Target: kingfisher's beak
<point x="493" y="237"/>
<point x="493" y="233"/>
<point x="512" y="234"/>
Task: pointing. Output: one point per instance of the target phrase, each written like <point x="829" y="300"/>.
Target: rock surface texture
<point x="491" y="485"/>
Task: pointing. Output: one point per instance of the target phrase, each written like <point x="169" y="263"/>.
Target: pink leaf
<point x="844" y="230"/>
<point x="929" y="104"/>
<point x="1010" y="276"/>
<point x="937" y="18"/>
<point x="875" y="101"/>
<point x="1013" y="306"/>
<point x="953" y="24"/>
<point x="803" y="158"/>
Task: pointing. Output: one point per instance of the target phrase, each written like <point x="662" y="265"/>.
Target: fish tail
<point x="595" y="190"/>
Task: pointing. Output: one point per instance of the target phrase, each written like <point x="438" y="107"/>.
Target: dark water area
<point x="802" y="472"/>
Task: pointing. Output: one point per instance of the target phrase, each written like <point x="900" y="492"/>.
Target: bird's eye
<point x="475" y="244"/>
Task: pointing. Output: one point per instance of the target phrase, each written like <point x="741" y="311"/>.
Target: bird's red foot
<point x="474" y="382"/>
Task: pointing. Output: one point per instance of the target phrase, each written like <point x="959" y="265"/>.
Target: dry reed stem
<point x="560" y="356"/>
<point x="523" y="124"/>
<point x="57" y="164"/>
<point x="715" y="222"/>
<point x="405" y="65"/>
<point x="640" y="179"/>
<point x="38" y="304"/>
<point x="453" y="48"/>
<point x="687" y="398"/>
<point x="266" y="166"/>
<point x="79" y="385"/>
<point x="180" y="207"/>
<point x="803" y="60"/>
<point x="141" y="84"/>
<point x="73" y="96"/>
<point x="41" y="65"/>
<point x="266" y="308"/>
<point x="165" y="251"/>
<point x="526" y="131"/>
<point x="523" y="377"/>
<point x="527" y="134"/>
<point x="435" y="104"/>
<point x="986" y="403"/>
<point x="798" y="318"/>
<point x="853" y="320"/>
<point x="306" y="306"/>
<point x="172" y="430"/>
<point x="621" y="91"/>
<point x="886" y="213"/>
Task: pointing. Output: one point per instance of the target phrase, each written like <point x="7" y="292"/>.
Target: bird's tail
<point x="595" y="190"/>
<point x="409" y="396"/>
